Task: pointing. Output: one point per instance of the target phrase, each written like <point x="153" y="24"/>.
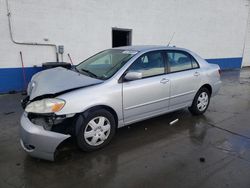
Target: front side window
<point x="179" y="61"/>
<point x="149" y="64"/>
<point x="105" y="64"/>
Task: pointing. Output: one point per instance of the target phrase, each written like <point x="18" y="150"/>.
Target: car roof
<point x="146" y="48"/>
<point x="142" y="48"/>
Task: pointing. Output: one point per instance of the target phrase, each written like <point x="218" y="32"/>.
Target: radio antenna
<point x="171" y="39"/>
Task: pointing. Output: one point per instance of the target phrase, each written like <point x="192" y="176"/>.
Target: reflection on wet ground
<point x="212" y="150"/>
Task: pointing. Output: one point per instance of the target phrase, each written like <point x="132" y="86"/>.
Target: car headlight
<point x="45" y="106"/>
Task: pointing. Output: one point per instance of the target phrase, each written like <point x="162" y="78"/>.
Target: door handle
<point x="164" y="81"/>
<point x="196" y="74"/>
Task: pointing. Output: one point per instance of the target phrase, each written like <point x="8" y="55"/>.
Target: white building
<point x="218" y="30"/>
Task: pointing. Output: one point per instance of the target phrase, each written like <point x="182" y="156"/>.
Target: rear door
<point x="150" y="95"/>
<point x="184" y="75"/>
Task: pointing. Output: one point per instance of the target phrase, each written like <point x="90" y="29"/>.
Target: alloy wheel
<point x="202" y="101"/>
<point x="97" y="131"/>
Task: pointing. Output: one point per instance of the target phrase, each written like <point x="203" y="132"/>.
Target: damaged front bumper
<point x="37" y="141"/>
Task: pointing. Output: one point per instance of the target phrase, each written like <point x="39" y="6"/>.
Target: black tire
<point x="83" y="121"/>
<point x="194" y="108"/>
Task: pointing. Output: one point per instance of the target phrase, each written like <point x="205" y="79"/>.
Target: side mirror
<point x="133" y="76"/>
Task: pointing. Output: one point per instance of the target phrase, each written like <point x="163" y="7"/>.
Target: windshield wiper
<point x="89" y="73"/>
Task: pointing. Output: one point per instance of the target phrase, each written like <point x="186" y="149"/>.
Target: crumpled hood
<point x="57" y="80"/>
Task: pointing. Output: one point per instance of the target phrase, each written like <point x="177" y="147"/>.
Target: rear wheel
<point x="200" y="102"/>
<point x="96" y="130"/>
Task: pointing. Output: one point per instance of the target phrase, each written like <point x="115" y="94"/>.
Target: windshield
<point x="105" y="64"/>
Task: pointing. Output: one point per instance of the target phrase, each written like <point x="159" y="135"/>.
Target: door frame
<point x="122" y="29"/>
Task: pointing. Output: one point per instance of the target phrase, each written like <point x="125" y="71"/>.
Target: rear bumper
<point x="37" y="141"/>
<point x="216" y="88"/>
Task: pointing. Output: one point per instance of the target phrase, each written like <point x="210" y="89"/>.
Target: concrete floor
<point x="147" y="154"/>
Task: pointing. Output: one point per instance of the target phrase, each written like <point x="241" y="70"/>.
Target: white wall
<point x="212" y="28"/>
<point x="246" y="55"/>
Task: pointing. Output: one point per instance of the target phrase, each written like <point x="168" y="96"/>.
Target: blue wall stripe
<point x="227" y="63"/>
<point x="11" y="79"/>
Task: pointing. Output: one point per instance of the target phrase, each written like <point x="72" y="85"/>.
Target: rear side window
<point x="149" y="64"/>
<point x="194" y="63"/>
<point x="180" y="61"/>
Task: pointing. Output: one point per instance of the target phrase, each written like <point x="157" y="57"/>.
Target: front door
<point x="149" y="95"/>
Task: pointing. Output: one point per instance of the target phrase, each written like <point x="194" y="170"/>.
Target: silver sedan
<point x="109" y="90"/>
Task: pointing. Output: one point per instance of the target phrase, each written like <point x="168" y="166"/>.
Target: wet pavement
<point x="212" y="150"/>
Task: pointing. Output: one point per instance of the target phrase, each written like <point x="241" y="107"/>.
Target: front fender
<point x="82" y="99"/>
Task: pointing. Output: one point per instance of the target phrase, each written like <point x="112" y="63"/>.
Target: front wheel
<point x="200" y="102"/>
<point x="96" y="130"/>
